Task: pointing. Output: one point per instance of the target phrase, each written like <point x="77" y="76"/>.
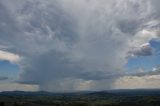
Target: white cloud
<point x="144" y="37"/>
<point x="133" y="82"/>
<point x="142" y="79"/>
<point x="140" y="42"/>
<point x="15" y="86"/>
<point x="7" y="56"/>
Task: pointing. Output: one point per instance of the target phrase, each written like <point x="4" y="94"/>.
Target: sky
<point x="78" y="45"/>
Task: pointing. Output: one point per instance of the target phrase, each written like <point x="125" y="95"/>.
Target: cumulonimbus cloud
<point x="67" y="44"/>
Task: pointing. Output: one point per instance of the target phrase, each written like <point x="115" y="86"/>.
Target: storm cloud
<point x="143" y="50"/>
<point x="76" y="45"/>
<point x="3" y="78"/>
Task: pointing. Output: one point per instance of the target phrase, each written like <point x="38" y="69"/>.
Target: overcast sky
<point x="73" y="45"/>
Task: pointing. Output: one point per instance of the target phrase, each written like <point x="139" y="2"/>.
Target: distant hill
<point x="134" y="92"/>
<point x="140" y="92"/>
<point x="24" y="93"/>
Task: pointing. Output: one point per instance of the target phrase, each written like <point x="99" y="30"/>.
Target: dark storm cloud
<point x="147" y="73"/>
<point x="27" y="82"/>
<point x="144" y="50"/>
<point x="3" y="78"/>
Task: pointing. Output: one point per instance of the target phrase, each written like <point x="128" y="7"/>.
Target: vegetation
<point x="105" y="98"/>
